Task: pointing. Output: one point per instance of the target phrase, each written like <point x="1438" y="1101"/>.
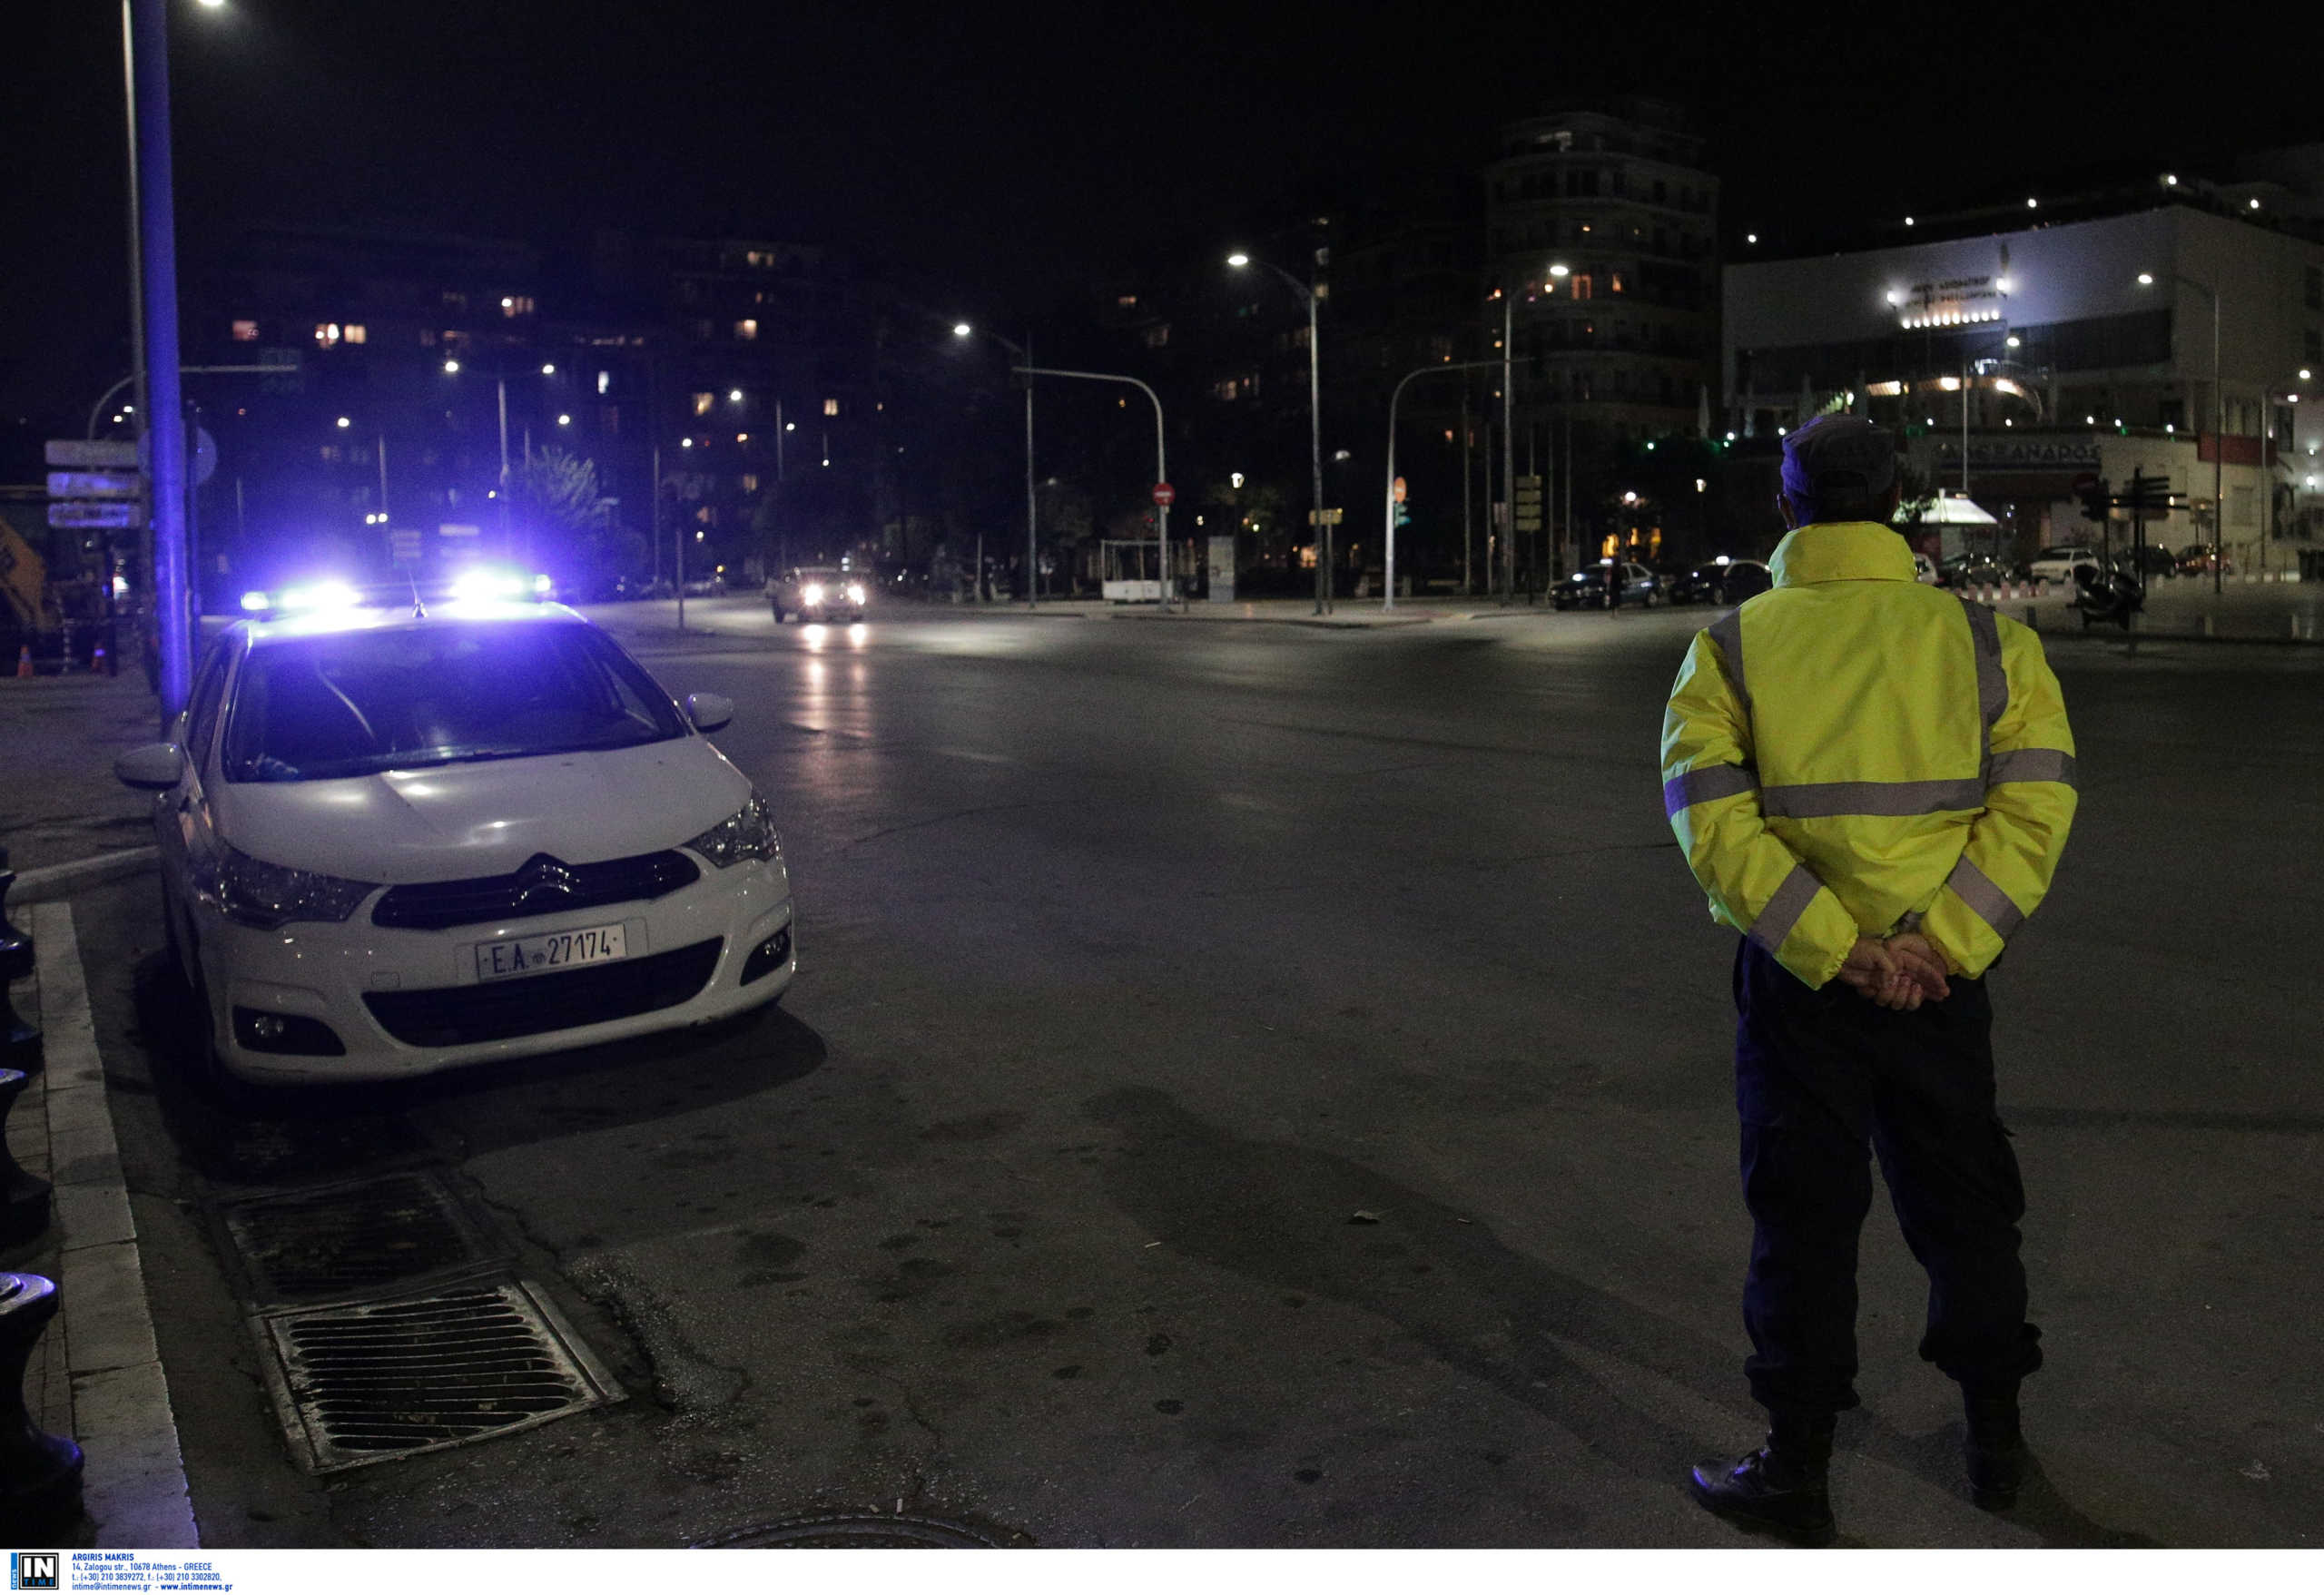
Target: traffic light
<point x="2094" y="501"/>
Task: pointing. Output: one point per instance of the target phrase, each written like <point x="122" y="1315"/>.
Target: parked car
<point x="2058" y="563"/>
<point x="1971" y="570"/>
<point x="2153" y="559"/>
<point x="815" y="593"/>
<point x="1723" y="581"/>
<point x="393" y="843"/>
<point x="1587" y="588"/>
<point x="1924" y="567"/>
<point x="2197" y="558"/>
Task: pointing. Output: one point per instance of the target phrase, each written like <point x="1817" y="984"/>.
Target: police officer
<point x="1873" y="781"/>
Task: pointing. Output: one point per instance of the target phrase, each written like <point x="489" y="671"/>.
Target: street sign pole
<point x="164" y="417"/>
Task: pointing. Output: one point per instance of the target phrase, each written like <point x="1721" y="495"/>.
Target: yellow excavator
<point x="26" y="608"/>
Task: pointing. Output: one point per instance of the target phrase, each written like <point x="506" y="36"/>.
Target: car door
<point x="182" y="815"/>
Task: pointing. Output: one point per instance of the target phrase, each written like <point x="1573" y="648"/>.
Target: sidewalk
<point x="59" y="803"/>
<point x="96" y="1374"/>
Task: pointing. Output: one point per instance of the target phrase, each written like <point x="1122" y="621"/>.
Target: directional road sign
<point x="93" y="483"/>
<point x="92" y="454"/>
<point x="115" y="514"/>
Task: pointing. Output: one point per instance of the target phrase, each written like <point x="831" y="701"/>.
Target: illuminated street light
<point x="451" y="367"/>
<point x="549" y="370"/>
<point x="734" y="395"/>
<point x="565" y="421"/>
<point x="1307" y="293"/>
<point x="344" y="423"/>
<point x="962" y="329"/>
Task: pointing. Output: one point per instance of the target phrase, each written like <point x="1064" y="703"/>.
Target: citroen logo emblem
<point x="542" y="881"/>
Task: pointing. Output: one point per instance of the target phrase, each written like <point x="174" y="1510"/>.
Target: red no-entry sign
<point x="1164" y="493"/>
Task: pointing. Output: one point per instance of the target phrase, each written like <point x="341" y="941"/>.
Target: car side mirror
<point x="708" y="711"/>
<point x="155" y="767"/>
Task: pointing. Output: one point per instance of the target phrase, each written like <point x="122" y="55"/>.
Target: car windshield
<point x="320" y="708"/>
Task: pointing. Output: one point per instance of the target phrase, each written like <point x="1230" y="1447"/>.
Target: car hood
<point x="453" y="822"/>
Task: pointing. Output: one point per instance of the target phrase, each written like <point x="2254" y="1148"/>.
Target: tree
<point x="554" y="496"/>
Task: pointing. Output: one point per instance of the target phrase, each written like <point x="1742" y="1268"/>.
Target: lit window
<point x="605" y="381"/>
<point x="1158" y="335"/>
<point x="1128" y="301"/>
<point x="246" y="332"/>
<point x="428" y="338"/>
<point x="703" y="403"/>
<point x="353" y="332"/>
<point x="1618" y="283"/>
<point x="830" y="406"/>
<point x="750" y="480"/>
<point x="517" y="304"/>
<point x="327" y="333"/>
<point x="746" y="329"/>
<point x="1581" y="285"/>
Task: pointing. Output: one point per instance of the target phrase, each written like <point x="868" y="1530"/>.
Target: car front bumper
<point x="407" y="1002"/>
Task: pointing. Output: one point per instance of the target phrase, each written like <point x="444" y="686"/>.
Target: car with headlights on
<point x="394" y="841"/>
<point x="816" y="593"/>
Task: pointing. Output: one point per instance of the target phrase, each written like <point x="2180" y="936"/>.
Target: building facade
<point x="2021" y="364"/>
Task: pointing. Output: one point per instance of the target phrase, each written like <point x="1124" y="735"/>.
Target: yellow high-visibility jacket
<point x="1853" y="752"/>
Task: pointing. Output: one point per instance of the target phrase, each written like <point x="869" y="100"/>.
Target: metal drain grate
<point x="351" y="1240"/>
<point x="363" y="1383"/>
<point x="852" y="1531"/>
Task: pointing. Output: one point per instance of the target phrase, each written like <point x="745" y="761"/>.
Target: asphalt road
<point x="1139" y="959"/>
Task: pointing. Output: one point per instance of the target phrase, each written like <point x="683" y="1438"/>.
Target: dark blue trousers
<point x="1822" y="1079"/>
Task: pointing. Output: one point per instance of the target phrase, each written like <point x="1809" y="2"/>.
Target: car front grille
<point x="543" y="886"/>
<point x="459" y="1016"/>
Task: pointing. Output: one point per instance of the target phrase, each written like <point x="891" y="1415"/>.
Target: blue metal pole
<point x="164" y="417"/>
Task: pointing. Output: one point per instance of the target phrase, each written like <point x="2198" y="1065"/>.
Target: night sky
<point x="1019" y="150"/>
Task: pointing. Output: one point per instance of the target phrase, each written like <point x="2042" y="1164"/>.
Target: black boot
<point x="1782" y="1487"/>
<point x="1996" y="1448"/>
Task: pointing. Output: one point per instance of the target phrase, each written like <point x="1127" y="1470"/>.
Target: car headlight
<point x="855" y="592"/>
<point x="267" y="897"/>
<point x="813" y="594"/>
<point x="749" y="834"/>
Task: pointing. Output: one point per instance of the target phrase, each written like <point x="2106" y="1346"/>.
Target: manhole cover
<point x="365" y="1382"/>
<point x="853" y="1531"/>
<point x="350" y="1240"/>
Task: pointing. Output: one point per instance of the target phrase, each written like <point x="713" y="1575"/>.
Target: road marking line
<point x="134" y="1485"/>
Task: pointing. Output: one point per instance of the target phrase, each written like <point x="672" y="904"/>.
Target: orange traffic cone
<point x="24" y="662"/>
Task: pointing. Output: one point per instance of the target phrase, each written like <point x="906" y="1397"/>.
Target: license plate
<point x="538" y="955"/>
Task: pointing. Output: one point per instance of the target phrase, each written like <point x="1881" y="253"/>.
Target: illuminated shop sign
<point x="2023" y="454"/>
<point x="1956" y="301"/>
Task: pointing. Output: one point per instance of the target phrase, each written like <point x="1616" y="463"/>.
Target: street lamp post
<point x="1024" y="352"/>
<point x="1306" y="292"/>
<point x="147" y="45"/>
<point x="1394" y="397"/>
<point x="1161" y="461"/>
<point x="2219" y="427"/>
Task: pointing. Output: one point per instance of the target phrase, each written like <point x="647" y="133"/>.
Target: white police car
<point x="395" y="842"/>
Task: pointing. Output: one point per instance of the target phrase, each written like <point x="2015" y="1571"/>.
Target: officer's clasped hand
<point x="1900" y="972"/>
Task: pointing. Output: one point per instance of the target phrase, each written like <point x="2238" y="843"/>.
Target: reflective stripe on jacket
<point x="1854" y="752"/>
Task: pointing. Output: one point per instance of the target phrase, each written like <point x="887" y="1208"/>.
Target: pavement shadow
<point x="269" y="1135"/>
<point x="1288" y="1216"/>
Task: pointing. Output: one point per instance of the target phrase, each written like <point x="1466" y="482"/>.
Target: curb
<point x="53" y="881"/>
<point x="133" y="1485"/>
